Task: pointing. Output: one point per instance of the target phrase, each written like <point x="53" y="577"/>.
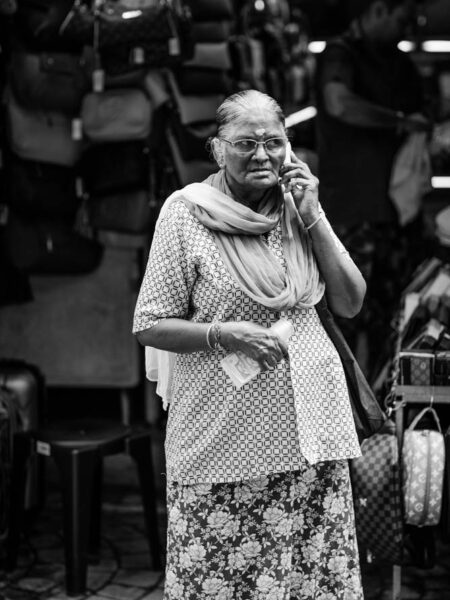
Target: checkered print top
<point x="215" y="432"/>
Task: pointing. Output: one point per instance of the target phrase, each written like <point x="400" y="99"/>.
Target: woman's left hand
<point x="297" y="178"/>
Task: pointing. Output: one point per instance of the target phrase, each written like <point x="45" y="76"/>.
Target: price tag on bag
<point x="98" y="80"/>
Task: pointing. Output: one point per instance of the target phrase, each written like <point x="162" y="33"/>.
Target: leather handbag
<point x="50" y="247"/>
<point x="45" y="136"/>
<point x="193" y="108"/>
<point x="188" y="171"/>
<point x="116" y="24"/>
<point x="49" y="80"/>
<point x="192" y="139"/>
<point x="108" y="169"/>
<point x="38" y="189"/>
<point x="377" y="496"/>
<point x="116" y="115"/>
<point x="209" y="55"/>
<point x="205" y="10"/>
<point x="367" y="413"/>
<point x="423" y="461"/>
<point x="126" y="212"/>
<point x="211" y="31"/>
<point x="198" y="80"/>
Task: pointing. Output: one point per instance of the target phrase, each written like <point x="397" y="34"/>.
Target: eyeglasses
<point x="247" y="146"/>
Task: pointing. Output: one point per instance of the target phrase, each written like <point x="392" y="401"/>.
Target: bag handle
<point x="422" y="414"/>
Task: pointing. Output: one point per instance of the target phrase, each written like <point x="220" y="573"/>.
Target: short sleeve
<point x="169" y="274"/>
<point x="336" y="65"/>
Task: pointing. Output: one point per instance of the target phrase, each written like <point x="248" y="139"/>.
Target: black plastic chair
<point x="78" y="449"/>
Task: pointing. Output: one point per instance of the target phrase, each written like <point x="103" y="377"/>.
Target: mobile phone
<point x="287" y="158"/>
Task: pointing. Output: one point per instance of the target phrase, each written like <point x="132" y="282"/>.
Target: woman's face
<point x="253" y="173"/>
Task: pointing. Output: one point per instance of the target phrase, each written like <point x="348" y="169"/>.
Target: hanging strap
<point x="422" y="413"/>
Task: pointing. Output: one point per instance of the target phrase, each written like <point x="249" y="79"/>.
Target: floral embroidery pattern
<point x="287" y="536"/>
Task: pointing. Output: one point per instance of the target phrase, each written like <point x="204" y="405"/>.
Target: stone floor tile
<point x="143" y="579"/>
<point x="37" y="585"/>
<point x="140" y="561"/>
<point x="60" y="594"/>
<point x="155" y="595"/>
<point x="120" y="592"/>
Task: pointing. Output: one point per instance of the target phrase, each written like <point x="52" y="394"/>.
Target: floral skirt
<point x="287" y="536"/>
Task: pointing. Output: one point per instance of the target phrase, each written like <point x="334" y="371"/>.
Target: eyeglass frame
<point x="257" y="143"/>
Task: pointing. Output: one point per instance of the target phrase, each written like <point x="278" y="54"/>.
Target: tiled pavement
<point x="124" y="570"/>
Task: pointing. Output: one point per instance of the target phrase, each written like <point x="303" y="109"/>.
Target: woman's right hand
<point x="255" y="341"/>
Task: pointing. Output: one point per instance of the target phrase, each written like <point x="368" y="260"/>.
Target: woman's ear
<point x="218" y="152"/>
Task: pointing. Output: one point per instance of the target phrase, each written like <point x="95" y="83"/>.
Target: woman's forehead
<point x="258" y="123"/>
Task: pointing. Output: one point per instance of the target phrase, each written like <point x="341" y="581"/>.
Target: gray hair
<point x="234" y="106"/>
<point x="232" y="109"/>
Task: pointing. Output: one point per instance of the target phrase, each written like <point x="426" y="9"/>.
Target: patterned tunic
<point x="215" y="432"/>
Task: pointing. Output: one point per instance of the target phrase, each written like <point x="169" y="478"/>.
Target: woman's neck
<point x="250" y="199"/>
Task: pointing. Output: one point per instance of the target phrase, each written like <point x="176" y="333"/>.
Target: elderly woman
<point x="258" y="491"/>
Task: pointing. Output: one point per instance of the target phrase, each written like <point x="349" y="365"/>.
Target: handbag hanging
<point x="49" y="80"/>
<point x="116" y="115"/>
<point x="52" y="247"/>
<point x="126" y="212"/>
<point x="37" y="189"/>
<point x="108" y="169"/>
<point x="44" y="136"/>
<point x="158" y="35"/>
<point x="367" y="413"/>
<point x="423" y="461"/>
<point x="377" y="496"/>
<point x="111" y="23"/>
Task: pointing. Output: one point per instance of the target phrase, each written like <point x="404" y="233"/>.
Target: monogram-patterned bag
<point x="423" y="461"/>
<point x="377" y="496"/>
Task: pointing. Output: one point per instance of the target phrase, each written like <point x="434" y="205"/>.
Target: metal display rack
<point x="406" y="395"/>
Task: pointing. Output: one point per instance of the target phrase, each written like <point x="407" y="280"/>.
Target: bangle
<point x="308" y="227"/>
<point x="207" y="336"/>
<point x="216" y="332"/>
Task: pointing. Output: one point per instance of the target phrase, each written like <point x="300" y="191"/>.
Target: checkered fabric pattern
<point x="216" y="433"/>
<point x="377" y="497"/>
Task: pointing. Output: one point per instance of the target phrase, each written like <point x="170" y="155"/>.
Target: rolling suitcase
<point x="444" y="525"/>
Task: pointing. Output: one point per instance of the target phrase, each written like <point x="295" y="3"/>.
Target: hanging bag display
<point x="49" y="80"/>
<point x="377" y="496"/>
<point x="108" y="169"/>
<point x="126" y="212"/>
<point x="116" y="115"/>
<point x="50" y="247"/>
<point x="126" y="39"/>
<point x="120" y="25"/>
<point x="38" y="189"/>
<point x="44" y="136"/>
<point x="423" y="460"/>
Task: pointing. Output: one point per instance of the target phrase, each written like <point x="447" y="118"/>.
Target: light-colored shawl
<point x="237" y="231"/>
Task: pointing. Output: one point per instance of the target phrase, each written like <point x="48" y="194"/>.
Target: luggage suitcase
<point x="423" y="458"/>
<point x="25" y="387"/>
<point x="377" y="496"/>
<point x="444" y="525"/>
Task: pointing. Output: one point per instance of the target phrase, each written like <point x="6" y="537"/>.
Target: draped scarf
<point x="237" y="231"/>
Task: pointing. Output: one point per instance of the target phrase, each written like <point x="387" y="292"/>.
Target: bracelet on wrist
<point x="213" y="336"/>
<point x="208" y="333"/>
<point x="311" y="225"/>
